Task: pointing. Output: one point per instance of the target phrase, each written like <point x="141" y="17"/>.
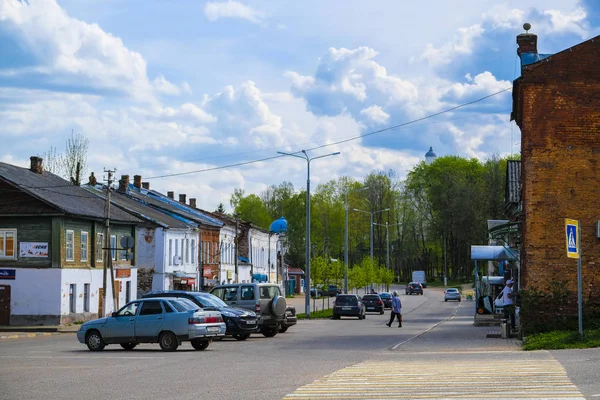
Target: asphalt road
<point x="437" y="354"/>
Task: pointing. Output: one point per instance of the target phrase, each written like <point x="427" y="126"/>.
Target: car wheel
<point x="336" y="317"/>
<point x="445" y="299"/>
<point x="200" y="344"/>
<point x="168" y="341"/>
<point x="269" y="332"/>
<point x="94" y="341"/>
<point x="241" y="336"/>
<point x="128" y="346"/>
<point x="381" y="312"/>
<point x="283" y="329"/>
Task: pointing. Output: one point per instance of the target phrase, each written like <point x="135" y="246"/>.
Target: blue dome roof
<point x="430" y="153"/>
<point x="279" y="226"/>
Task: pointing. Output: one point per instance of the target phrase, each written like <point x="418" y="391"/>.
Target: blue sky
<point x="165" y="88"/>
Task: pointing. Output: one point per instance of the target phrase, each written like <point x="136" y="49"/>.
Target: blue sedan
<point x="165" y="321"/>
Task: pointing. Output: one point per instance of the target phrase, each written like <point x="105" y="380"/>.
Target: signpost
<point x="573" y="238"/>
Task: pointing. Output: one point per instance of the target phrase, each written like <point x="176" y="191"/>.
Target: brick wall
<point x="557" y="105"/>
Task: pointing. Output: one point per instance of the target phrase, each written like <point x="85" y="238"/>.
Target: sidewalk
<point x="17" y="332"/>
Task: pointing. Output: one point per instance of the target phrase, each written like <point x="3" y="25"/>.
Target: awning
<point x="182" y="274"/>
<point x="493" y="253"/>
<point x="260" y="277"/>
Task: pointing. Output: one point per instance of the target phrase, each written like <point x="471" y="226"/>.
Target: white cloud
<point x="163" y="86"/>
<point x="462" y="44"/>
<point x="71" y="53"/>
<point x="483" y="84"/>
<point x="568" y="22"/>
<point x="376" y="114"/>
<point x="231" y="9"/>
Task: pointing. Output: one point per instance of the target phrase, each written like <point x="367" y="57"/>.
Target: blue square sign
<point x="572" y="237"/>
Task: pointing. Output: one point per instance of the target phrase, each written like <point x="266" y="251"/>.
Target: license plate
<point x="213" y="329"/>
<point x="250" y="323"/>
<point x="370" y="308"/>
<point x="346" y="308"/>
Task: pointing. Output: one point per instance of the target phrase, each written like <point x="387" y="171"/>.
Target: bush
<point x="327" y="313"/>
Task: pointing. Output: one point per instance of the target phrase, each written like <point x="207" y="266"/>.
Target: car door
<point x="247" y="297"/>
<point x="149" y="321"/>
<point x="120" y="328"/>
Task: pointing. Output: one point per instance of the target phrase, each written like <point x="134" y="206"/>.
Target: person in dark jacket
<point x="396" y="310"/>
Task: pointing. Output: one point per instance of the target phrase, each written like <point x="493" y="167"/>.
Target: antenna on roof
<point x="527" y="27"/>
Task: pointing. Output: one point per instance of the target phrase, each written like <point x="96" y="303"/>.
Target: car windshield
<point x="350" y="300"/>
<point x="209" y="300"/>
<point x="268" y="292"/>
<point x="452" y="290"/>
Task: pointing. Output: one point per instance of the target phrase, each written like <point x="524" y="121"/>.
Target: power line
<point x="340" y="141"/>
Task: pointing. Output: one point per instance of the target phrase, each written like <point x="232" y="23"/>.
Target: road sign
<point x="572" y="236"/>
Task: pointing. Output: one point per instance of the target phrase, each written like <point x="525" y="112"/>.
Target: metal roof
<point x="60" y="194"/>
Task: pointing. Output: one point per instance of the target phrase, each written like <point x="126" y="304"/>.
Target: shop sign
<point x="123" y="272"/>
<point x="8" y="274"/>
<point x="33" y="249"/>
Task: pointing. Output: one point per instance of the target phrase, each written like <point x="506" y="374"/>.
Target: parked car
<point x="387" y="299"/>
<point x="263" y="298"/>
<point x="290" y="319"/>
<point x="329" y="291"/>
<point x="240" y="323"/>
<point x="373" y="303"/>
<point x="414" y="287"/>
<point x="452" y="294"/>
<point x="348" y="305"/>
<point x="166" y="321"/>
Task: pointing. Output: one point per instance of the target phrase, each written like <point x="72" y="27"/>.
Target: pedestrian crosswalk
<point x="451" y="379"/>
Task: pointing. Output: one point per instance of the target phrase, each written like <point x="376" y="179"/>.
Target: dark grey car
<point x="348" y="305"/>
<point x="263" y="298"/>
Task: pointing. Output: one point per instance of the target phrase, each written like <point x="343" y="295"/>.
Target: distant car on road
<point x="166" y="321"/>
<point x="387" y="299"/>
<point x="348" y="305"/>
<point x="452" y="294"/>
<point x="414" y="287"/>
<point x="240" y="322"/>
<point x="373" y="303"/>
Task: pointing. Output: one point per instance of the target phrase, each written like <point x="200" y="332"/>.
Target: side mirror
<point x="114" y="314"/>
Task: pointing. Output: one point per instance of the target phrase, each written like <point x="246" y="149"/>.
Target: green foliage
<point x="562" y="340"/>
<point x="252" y="209"/>
<point x="326" y="313"/>
<point x="545" y="311"/>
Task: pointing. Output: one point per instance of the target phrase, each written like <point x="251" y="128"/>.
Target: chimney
<point x="193" y="202"/>
<point x="527" y="44"/>
<point x="36" y="165"/>
<point x="171" y="195"/>
<point x="137" y="181"/>
<point x="123" y="184"/>
<point x="182" y="198"/>
<point x="146" y="185"/>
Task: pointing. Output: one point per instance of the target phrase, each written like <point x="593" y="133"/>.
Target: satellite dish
<point x="126" y="242"/>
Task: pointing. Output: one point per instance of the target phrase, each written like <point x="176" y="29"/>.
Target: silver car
<point x="167" y="321"/>
<point x="452" y="294"/>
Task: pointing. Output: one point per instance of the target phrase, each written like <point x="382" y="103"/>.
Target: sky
<point x="198" y="97"/>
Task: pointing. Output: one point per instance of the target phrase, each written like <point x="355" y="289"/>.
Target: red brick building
<point x="556" y="103"/>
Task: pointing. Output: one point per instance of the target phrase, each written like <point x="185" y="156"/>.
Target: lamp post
<point x="371" y="213"/>
<point x="387" y="243"/>
<point x="346" y="238"/>
<point x="307" y="272"/>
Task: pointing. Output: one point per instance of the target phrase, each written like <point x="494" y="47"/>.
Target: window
<point x="84" y="246"/>
<point x="247" y="293"/>
<point x="193" y="251"/>
<point x="187" y="251"/>
<point x="129" y="309"/>
<point x="69" y="242"/>
<point x="8" y="243"/>
<point x="127" y="291"/>
<point x="182" y="247"/>
<point x="151" y="308"/>
<point x="170" y="251"/>
<point x="99" y="245"/>
<point x="72" y="298"/>
<point x="113" y="247"/>
<point x="86" y="297"/>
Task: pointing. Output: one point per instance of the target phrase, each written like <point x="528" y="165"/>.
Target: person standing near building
<point x="508" y="301"/>
<point x="396" y="310"/>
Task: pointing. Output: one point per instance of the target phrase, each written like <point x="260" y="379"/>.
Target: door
<point x="121" y="327"/>
<point x="149" y="321"/>
<point x="4" y="304"/>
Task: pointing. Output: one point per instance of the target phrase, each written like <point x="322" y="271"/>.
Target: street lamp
<point x="371" y="213"/>
<point x="387" y="243"/>
<point x="307" y="277"/>
<point x="346" y="238"/>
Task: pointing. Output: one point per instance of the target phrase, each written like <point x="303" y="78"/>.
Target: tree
<point x="252" y="209"/>
<point x="220" y="209"/>
<point x="75" y="158"/>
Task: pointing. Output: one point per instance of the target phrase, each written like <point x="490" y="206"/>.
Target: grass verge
<point x="327" y="313"/>
<point x="562" y="340"/>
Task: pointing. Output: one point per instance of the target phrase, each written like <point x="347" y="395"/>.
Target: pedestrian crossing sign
<point x="572" y="236"/>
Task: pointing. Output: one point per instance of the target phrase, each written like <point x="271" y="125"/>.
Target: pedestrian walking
<point x="396" y="310"/>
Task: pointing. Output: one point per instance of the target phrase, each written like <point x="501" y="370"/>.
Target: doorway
<point x="4" y="304"/>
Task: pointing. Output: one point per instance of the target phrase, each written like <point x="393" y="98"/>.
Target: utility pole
<point x="108" y="257"/>
<point x="235" y="244"/>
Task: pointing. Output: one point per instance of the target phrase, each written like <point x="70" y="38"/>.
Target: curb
<point x="29" y="335"/>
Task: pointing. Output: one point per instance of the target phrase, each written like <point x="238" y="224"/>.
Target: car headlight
<point x="227" y="314"/>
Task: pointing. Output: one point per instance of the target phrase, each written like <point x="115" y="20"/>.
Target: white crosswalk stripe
<point x="462" y="379"/>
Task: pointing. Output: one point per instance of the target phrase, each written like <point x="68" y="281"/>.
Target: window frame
<point x="4" y="233"/>
<point x="69" y="245"/>
<point x="113" y="247"/>
<point x="83" y="255"/>
<point x="86" y="297"/>
<point x="99" y="245"/>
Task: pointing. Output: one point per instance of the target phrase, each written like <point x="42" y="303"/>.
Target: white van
<point x="419" y="276"/>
